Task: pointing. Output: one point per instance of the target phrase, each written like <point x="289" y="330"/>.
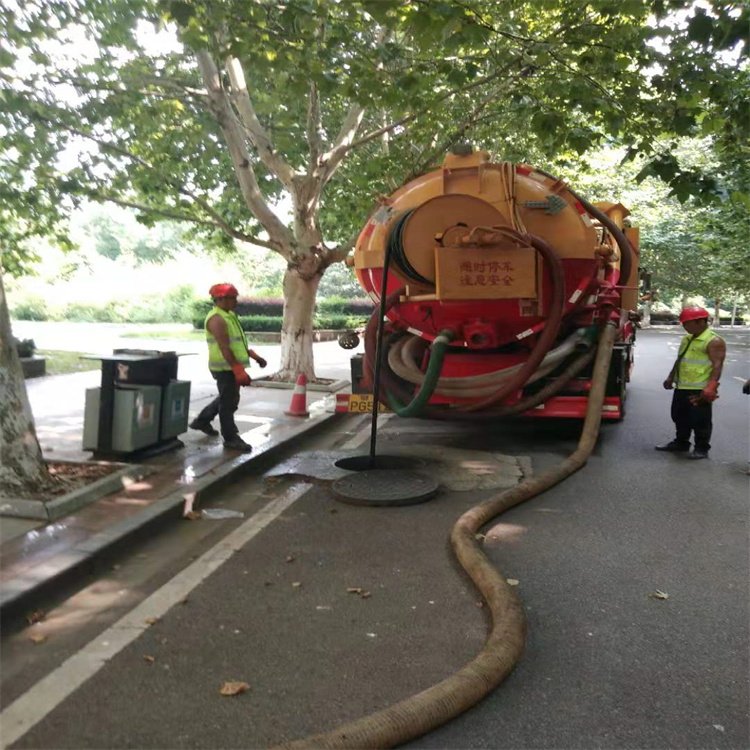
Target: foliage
<point x="691" y="248"/>
<point x="31" y="308"/>
<point x="361" y="307"/>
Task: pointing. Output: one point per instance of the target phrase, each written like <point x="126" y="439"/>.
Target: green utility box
<point x="136" y="417"/>
<point x="174" y="408"/>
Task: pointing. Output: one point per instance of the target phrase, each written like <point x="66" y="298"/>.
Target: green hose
<point x="431" y="377"/>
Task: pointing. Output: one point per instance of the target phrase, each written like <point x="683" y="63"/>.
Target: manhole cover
<point x="383" y="487"/>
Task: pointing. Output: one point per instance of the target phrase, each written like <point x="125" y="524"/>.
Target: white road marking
<point x="31" y="707"/>
<point x="364" y="434"/>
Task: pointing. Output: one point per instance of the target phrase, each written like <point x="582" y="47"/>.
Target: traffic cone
<point x="298" y="407"/>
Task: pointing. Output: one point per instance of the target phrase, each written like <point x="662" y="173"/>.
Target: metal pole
<point x="378" y="354"/>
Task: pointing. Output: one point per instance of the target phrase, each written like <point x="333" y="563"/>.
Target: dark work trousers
<point x="689" y="417"/>
<point x="225" y="404"/>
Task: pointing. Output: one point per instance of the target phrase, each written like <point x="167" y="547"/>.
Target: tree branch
<point x="314" y="127"/>
<point x="343" y="142"/>
<point x="177" y="216"/>
<point x="221" y="108"/>
<point x="255" y="131"/>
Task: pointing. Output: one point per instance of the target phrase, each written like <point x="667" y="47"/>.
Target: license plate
<point x="361" y="403"/>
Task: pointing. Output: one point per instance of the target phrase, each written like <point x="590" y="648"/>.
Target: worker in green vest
<point x="228" y="356"/>
<point x="695" y="378"/>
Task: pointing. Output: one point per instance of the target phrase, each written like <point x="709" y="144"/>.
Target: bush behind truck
<point x="265" y="314"/>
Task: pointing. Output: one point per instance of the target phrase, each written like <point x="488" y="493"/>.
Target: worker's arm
<point x="669" y="382"/>
<point x="218" y="329"/>
<point x="262" y="362"/>
<point x="717" y="351"/>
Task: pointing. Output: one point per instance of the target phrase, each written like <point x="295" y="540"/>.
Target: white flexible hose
<point x="402" y="356"/>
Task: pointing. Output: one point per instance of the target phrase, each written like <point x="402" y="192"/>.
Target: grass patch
<point x="62" y="363"/>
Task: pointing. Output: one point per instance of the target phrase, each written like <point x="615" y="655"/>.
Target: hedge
<point x="272" y="323"/>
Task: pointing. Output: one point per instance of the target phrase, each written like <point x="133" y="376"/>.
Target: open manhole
<point x="364" y="463"/>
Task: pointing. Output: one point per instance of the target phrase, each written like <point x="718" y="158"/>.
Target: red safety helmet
<point x="223" y="290"/>
<point x="693" y="313"/>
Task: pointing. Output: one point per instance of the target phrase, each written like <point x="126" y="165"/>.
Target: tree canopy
<point x="212" y="112"/>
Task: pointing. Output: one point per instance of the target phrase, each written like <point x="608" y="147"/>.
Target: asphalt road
<point x="607" y="664"/>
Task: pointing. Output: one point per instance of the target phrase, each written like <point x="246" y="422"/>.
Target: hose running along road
<point x="429" y="709"/>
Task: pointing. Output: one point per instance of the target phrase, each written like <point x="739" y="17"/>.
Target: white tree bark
<point x="22" y="467"/>
<point x="297" y="331"/>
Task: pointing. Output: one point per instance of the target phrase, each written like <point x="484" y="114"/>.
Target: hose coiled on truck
<point x="429" y="709"/>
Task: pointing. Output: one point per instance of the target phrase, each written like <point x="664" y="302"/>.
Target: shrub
<point x="341" y="306"/>
<point x="261" y="323"/>
<point x="273" y="306"/>
<point x="88" y="313"/>
<point x="31" y="308"/>
<point x="198" y="311"/>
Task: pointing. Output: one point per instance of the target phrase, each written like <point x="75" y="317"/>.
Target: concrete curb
<point x="19" y="592"/>
<point x="51" y="510"/>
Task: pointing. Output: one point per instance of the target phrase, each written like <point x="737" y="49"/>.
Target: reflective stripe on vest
<point x="695" y="367"/>
<point x="237" y="342"/>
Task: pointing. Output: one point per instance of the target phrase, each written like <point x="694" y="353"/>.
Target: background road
<point x="607" y="665"/>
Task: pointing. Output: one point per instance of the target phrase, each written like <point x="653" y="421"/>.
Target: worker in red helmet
<point x="228" y="356"/>
<point x="695" y="378"/>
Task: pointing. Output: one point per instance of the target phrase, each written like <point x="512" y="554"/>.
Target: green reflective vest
<point x="695" y="366"/>
<point x="237" y="342"/>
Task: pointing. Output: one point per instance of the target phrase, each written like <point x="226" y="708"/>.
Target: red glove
<point x="240" y="376"/>
<point x="709" y="393"/>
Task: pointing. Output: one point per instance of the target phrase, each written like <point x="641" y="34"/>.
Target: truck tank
<point x="494" y="280"/>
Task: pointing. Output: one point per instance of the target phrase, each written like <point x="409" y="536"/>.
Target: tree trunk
<point x="734" y="312"/>
<point x="646" y="319"/>
<point x="22" y="467"/>
<point x="717" y="313"/>
<point x="297" y="327"/>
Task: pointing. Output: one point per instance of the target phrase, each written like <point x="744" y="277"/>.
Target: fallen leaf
<point x="659" y="594"/>
<point x="36" y="616"/>
<point x="38" y="638"/>
<point x="151" y="620"/>
<point x="150" y="659"/>
<point x="480" y="537"/>
<point x="185" y="600"/>
<point x="512" y="581"/>
<point x="234" y="688"/>
<point x="193" y="515"/>
<point x="290" y="558"/>
<point x="365" y="595"/>
<point x="353" y="590"/>
<point x="296" y="584"/>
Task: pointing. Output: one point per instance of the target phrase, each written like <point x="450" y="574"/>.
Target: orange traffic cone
<point x="298" y="407"/>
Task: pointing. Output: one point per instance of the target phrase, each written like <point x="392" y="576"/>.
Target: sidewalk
<point x="35" y="554"/>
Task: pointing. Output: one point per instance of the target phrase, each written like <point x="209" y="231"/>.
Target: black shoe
<point x="238" y="444"/>
<point x="204" y="427"/>
<point x="673" y="447"/>
<point x="696" y="454"/>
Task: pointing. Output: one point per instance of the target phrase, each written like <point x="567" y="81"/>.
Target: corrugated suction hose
<point x="429" y="709"/>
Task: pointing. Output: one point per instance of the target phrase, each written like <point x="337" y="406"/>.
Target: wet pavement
<point x="34" y="554"/>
